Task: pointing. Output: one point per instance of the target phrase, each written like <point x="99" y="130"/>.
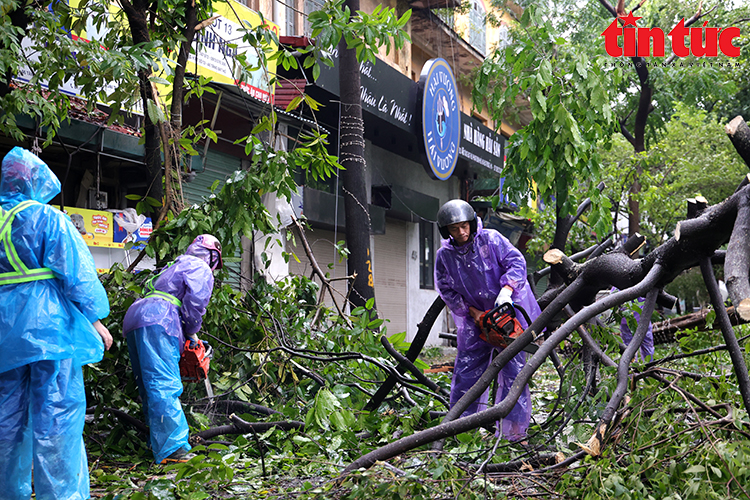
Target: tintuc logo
<point x="637" y="41"/>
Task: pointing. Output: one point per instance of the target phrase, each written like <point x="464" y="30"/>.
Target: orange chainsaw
<point x="195" y="360"/>
<point x="499" y="326"/>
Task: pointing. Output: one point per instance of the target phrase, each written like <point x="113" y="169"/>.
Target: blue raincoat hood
<point x="25" y="177"/>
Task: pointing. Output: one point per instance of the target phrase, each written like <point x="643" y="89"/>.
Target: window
<point x="291" y="17"/>
<point x="310" y="7"/>
<point x="426" y="255"/>
<point x="477" y="26"/>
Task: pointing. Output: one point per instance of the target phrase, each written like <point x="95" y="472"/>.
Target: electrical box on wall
<point x="97" y="200"/>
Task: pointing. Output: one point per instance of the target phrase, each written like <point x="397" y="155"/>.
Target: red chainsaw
<point x="195" y="360"/>
<point x="499" y="326"/>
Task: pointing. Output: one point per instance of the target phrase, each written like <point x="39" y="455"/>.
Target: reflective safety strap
<point x="164" y="295"/>
<point x="151" y="291"/>
<point x="21" y="273"/>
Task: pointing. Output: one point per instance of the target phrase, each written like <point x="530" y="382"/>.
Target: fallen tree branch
<point x="240" y="426"/>
<point x="228" y="406"/>
<point x="739" y="134"/>
<point x="543" y="460"/>
<point x="451" y="427"/>
<point x="737" y="264"/>
<point x="121" y="415"/>
<point x="409" y="366"/>
<point x="664" y="331"/>
<point x="423" y="331"/>
<point x="595" y="444"/>
<point x="735" y="352"/>
<point x="700" y="352"/>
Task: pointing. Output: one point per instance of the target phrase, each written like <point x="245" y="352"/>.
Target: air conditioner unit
<point x="97" y="200"/>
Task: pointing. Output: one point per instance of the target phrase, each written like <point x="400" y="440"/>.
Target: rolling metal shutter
<point x="390" y="275"/>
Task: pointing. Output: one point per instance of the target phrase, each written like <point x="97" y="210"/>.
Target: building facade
<point x="412" y="168"/>
<point x="405" y="186"/>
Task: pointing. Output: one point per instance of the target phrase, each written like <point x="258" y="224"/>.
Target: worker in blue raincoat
<point x="477" y="269"/>
<point x="51" y="304"/>
<point x="157" y="327"/>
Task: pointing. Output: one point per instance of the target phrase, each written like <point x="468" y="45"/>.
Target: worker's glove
<point x="504" y="297"/>
<point x="193" y="341"/>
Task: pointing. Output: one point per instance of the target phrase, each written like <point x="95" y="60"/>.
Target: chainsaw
<point x="195" y="360"/>
<point x="499" y="326"/>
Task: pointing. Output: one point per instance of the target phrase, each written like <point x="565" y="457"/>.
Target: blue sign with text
<point x="440" y="118"/>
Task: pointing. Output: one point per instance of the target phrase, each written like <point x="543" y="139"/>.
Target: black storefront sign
<point x="481" y="145"/>
<point x="391" y="96"/>
<point x="385" y="93"/>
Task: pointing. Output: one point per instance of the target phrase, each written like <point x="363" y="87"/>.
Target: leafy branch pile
<point x="293" y="378"/>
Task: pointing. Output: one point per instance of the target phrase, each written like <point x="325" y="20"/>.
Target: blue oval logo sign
<point x="440" y="117"/>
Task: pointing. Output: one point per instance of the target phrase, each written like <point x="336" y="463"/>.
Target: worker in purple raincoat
<point x="475" y="270"/>
<point x="156" y="327"/>
<point x="647" y="346"/>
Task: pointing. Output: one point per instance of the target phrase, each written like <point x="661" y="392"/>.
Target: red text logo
<point x="646" y="42"/>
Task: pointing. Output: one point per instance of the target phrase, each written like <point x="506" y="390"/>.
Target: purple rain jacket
<point x="190" y="280"/>
<point x="647" y="346"/>
<point x="472" y="275"/>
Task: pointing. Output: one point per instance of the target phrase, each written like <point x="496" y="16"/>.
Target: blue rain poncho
<point x="46" y="334"/>
<point x="156" y="328"/>
<point x="47" y="319"/>
<point x="472" y="275"/>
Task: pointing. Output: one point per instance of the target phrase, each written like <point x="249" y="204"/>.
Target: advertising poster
<point x="100" y="228"/>
<point x="122" y="236"/>
<point x="95" y="226"/>
<point x="213" y="55"/>
<point x="217" y="45"/>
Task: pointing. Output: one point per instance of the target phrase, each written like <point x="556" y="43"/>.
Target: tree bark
<point x="352" y="149"/>
<point x="240" y="426"/>
<point x="137" y="13"/>
<point x="735" y="351"/>
<point x="739" y="134"/>
<point x="623" y="369"/>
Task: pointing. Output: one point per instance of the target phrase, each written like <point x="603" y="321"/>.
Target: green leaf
<point x="397" y="338"/>
<point x="159" y="80"/>
<point x="155" y="113"/>
<point x="540" y="100"/>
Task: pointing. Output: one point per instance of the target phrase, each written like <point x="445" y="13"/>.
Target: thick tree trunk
<point x="137" y="14"/>
<point x="358" y="224"/>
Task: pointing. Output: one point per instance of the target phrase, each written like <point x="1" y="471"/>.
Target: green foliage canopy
<point x="568" y="92"/>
